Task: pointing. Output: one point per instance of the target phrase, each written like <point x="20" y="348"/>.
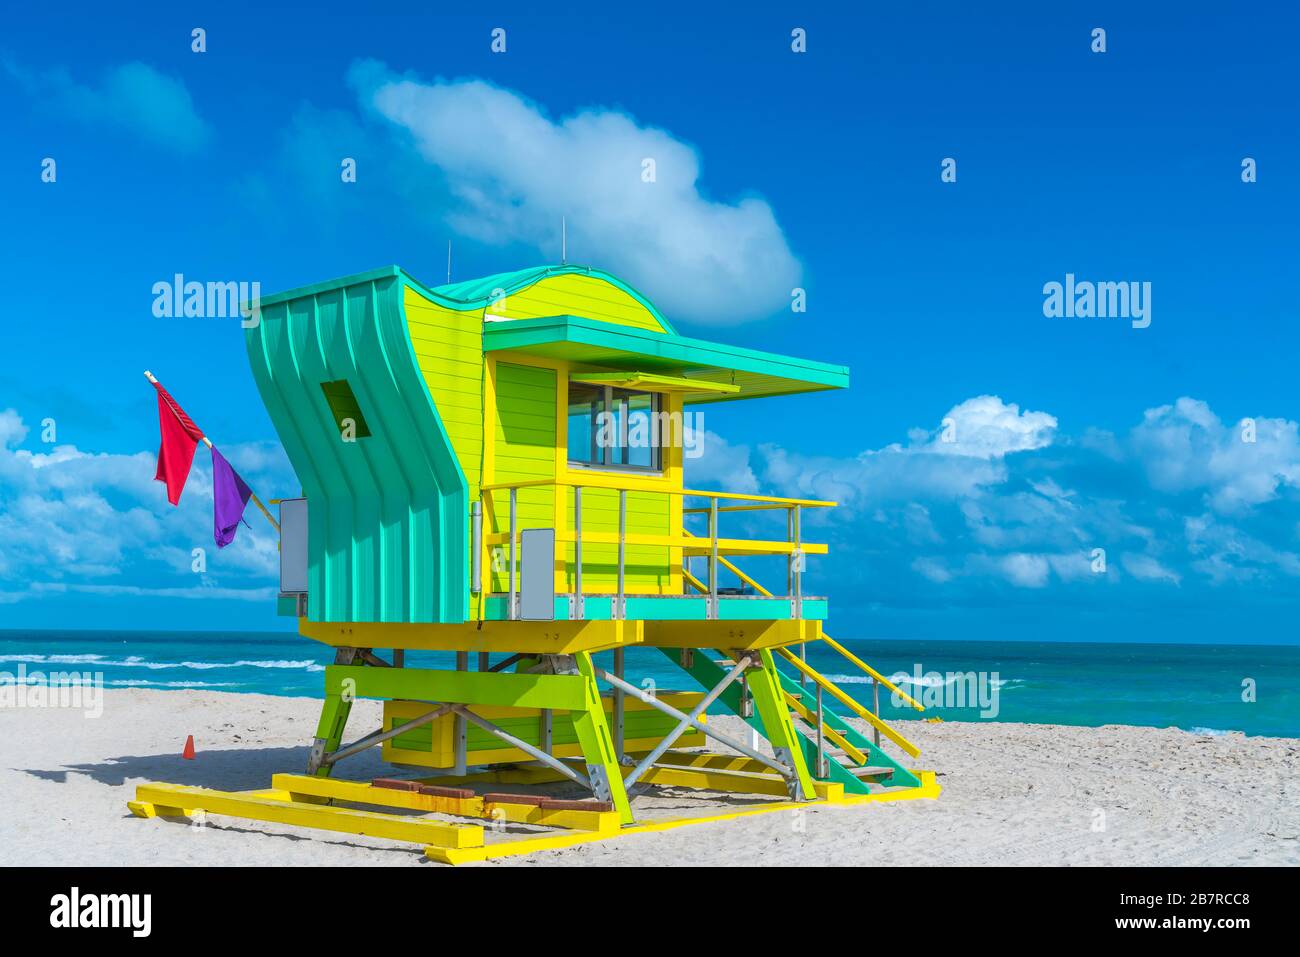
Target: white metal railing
<point x="713" y="545"/>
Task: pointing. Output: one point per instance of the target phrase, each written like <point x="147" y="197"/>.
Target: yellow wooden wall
<point x="528" y="445"/>
<point x="449" y="349"/>
<point x="523" y="442"/>
<point x="573" y="294"/>
<point x="507" y="417"/>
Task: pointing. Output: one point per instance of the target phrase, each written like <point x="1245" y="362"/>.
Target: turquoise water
<point x="1195" y="687"/>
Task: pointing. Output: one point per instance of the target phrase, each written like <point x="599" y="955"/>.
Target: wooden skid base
<point x="929" y="789"/>
<point x="300" y="800"/>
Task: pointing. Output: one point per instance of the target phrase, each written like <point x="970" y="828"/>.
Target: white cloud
<point x="988" y="428"/>
<point x="1186" y="447"/>
<point x="721" y="466"/>
<point x="86" y="520"/>
<point x="131" y="96"/>
<point x="1147" y="569"/>
<point x="1025" y="570"/>
<point x="1007" y="502"/>
<point x="984" y="430"/>
<point x="513" y="172"/>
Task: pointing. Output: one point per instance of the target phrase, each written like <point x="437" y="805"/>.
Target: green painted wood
<point x="333" y="719"/>
<point x="703" y="670"/>
<point x="388" y="513"/>
<point x="566" y="692"/>
<point x="597" y="744"/>
<point x="901" y="777"/>
<point x="708" y="674"/>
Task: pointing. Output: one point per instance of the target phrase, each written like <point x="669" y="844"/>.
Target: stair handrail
<point x="822" y="682"/>
<point x="850" y="656"/>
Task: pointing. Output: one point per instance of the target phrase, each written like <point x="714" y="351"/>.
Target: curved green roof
<point x="480" y="290"/>
<point x="471" y="293"/>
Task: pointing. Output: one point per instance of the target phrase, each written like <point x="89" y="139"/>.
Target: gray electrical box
<point x="293" y="546"/>
<point x="537" y="574"/>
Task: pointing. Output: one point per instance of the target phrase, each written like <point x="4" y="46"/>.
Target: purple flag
<point x="229" y="499"/>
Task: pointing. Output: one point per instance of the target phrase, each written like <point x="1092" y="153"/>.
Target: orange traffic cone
<point x="188" y="753"/>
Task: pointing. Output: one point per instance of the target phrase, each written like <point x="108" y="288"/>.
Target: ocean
<point x="1212" y="689"/>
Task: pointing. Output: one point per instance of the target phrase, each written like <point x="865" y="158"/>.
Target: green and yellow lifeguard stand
<point x="494" y="469"/>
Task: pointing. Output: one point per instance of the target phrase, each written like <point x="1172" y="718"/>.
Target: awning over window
<point x="693" y="367"/>
<point x="654" y="382"/>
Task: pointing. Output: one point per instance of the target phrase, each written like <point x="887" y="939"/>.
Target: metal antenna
<point x="564" y="243"/>
<point x="449" y="262"/>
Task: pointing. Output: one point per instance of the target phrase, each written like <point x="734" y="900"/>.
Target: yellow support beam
<point x="691" y="544"/>
<point x="165" y="797"/>
<point x="523" y="637"/>
<point x="713" y="761"/>
<point x="705" y="779"/>
<point x="852" y="705"/>
<point x="731" y="635"/>
<point x="928" y="790"/>
<point x="299" y="786"/>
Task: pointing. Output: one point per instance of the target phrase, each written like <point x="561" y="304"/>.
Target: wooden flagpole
<point x="253" y="495"/>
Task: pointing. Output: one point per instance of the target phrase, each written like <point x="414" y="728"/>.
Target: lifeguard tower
<point x="493" y="470"/>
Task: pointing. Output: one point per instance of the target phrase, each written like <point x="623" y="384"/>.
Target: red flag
<point x="179" y="437"/>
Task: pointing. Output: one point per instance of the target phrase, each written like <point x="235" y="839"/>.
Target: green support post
<point x="767" y="720"/>
<point x="598" y="745"/>
<point x="765" y="688"/>
<point x="329" y="733"/>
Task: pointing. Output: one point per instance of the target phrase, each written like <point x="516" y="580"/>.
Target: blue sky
<point x="819" y="169"/>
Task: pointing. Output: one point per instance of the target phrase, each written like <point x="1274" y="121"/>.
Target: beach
<point x="1013" y="794"/>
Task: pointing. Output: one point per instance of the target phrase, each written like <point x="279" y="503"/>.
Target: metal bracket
<point x="317" y="756"/>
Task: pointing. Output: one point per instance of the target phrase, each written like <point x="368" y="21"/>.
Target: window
<point x="613" y="428"/>
<point x="345" y="409"/>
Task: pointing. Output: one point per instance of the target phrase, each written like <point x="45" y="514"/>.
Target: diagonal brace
<point x="692" y="721"/>
<point x="549" y="760"/>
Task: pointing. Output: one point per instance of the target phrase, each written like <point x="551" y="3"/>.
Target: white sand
<point x="1013" y="794"/>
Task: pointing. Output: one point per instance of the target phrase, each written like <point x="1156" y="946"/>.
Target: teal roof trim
<point x="479" y="291"/>
<point x="608" y="344"/>
<point x="470" y="294"/>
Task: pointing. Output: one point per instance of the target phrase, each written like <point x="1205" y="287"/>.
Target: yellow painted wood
<point x="448" y="346"/>
<point x="689" y="544"/>
<point x="706" y="779"/>
<point x="523" y="437"/>
<point x="357" y="792"/>
<point x="863" y="666"/>
<point x="713" y="761"/>
<point x="852" y="705"/>
<point x="442" y="745"/>
<point x="575" y="295"/>
<point x="525" y="637"/>
<point x="654" y="382"/>
<point x="737" y="635"/>
<point x="929" y="790"/>
<point x="347" y="820"/>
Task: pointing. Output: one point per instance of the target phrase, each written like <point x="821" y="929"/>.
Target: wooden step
<point x="870" y="772"/>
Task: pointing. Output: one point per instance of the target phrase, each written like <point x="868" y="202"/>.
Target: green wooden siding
<point x="524" y="451"/>
<point x="387" y="513"/>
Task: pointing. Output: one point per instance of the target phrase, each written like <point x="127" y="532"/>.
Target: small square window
<point x="345" y="408"/>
